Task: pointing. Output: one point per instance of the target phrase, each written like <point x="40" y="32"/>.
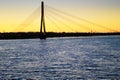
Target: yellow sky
<point x="66" y="19"/>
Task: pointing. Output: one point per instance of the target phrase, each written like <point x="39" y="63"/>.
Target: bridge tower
<point x="42" y="26"/>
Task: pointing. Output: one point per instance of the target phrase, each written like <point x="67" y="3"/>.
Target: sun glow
<point x="80" y="19"/>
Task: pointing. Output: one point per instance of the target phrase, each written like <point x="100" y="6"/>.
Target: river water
<point x="73" y="58"/>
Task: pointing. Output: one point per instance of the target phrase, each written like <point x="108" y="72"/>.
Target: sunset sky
<point x="68" y="15"/>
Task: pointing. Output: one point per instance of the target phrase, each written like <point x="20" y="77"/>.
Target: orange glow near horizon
<point x="106" y="20"/>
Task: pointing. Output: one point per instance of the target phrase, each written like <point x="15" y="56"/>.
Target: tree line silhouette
<point x="32" y="35"/>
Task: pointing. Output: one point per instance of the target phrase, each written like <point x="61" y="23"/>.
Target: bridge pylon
<point x="42" y="26"/>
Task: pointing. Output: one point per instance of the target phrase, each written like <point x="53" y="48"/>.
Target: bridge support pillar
<point x="42" y="26"/>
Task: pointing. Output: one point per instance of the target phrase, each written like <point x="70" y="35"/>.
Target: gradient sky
<point x="15" y="15"/>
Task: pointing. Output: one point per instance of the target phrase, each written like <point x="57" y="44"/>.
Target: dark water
<point x="82" y="58"/>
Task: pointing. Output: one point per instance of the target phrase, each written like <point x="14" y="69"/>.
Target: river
<point x="70" y="58"/>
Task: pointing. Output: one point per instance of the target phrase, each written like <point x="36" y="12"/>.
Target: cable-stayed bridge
<point x="59" y="21"/>
<point x="62" y="21"/>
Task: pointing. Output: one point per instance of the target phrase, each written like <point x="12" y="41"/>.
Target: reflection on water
<point x="83" y="58"/>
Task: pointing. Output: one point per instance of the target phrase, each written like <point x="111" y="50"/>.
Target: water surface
<point x="82" y="58"/>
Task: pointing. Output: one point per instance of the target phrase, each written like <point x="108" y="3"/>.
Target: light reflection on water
<point x="82" y="58"/>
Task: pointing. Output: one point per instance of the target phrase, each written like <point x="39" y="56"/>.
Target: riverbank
<point x="32" y="35"/>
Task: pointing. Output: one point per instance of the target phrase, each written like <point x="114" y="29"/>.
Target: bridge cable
<point x="58" y="14"/>
<point x="53" y="22"/>
<point x="101" y="26"/>
<point x="56" y="19"/>
<point x="30" y="19"/>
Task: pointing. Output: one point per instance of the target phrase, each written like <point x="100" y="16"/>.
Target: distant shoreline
<point x="32" y="35"/>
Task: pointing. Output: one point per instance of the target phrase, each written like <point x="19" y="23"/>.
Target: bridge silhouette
<point x="59" y="18"/>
